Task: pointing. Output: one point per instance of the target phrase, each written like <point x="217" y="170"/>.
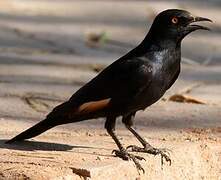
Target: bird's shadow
<point x="38" y="145"/>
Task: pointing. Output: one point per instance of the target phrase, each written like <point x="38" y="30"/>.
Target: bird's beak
<point x="192" y="27"/>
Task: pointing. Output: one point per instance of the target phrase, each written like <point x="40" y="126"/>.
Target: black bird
<point x="132" y="83"/>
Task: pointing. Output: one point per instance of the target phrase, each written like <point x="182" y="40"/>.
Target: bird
<point x="132" y="83"/>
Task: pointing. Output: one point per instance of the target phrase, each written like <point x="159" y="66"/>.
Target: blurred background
<point x="51" y="48"/>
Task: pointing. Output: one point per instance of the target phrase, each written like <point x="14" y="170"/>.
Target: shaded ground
<point x="45" y="56"/>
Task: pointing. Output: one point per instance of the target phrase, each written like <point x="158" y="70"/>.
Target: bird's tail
<point x="63" y="114"/>
<point x="33" y="131"/>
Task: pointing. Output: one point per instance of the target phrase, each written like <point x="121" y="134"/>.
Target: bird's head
<point x="175" y="24"/>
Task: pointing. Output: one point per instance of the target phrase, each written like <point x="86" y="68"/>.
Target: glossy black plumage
<point x="132" y="83"/>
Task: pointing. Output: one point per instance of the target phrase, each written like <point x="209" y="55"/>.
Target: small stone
<point x="99" y="158"/>
<point x="188" y="139"/>
<point x="89" y="134"/>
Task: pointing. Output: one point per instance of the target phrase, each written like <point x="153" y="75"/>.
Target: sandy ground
<point x="46" y="55"/>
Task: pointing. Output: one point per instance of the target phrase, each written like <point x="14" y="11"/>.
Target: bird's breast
<point x="164" y="69"/>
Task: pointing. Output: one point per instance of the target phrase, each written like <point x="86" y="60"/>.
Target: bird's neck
<point x="160" y="49"/>
<point x="157" y="43"/>
<point x="151" y="44"/>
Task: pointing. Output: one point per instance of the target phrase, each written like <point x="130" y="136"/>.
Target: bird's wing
<point x="119" y="83"/>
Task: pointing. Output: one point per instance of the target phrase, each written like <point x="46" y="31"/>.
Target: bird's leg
<point x="147" y="148"/>
<point x="122" y="152"/>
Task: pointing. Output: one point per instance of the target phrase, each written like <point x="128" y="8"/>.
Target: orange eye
<point x="174" y="20"/>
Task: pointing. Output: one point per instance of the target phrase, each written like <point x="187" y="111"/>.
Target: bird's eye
<point x="174" y="20"/>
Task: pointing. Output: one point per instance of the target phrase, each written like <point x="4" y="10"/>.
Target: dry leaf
<point x="185" y="99"/>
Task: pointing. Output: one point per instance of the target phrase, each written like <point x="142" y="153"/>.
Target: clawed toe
<point x="126" y="156"/>
<point x="165" y="150"/>
<point x="122" y="154"/>
<point x="140" y="158"/>
<point x="164" y="153"/>
<point x="129" y="147"/>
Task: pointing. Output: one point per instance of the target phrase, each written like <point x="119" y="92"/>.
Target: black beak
<point x="197" y="19"/>
<point x="193" y="27"/>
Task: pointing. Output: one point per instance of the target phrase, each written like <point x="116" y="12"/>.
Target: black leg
<point x="147" y="148"/>
<point x="122" y="152"/>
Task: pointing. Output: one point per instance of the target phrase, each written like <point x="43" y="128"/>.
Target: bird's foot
<point x="123" y="154"/>
<point x="164" y="153"/>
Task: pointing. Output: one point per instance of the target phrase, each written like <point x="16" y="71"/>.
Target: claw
<point x="138" y="166"/>
<point x="140" y="158"/>
<point x="128" y="147"/>
<point x="164" y="153"/>
<point x="114" y="151"/>
<point x="126" y="156"/>
<point x="166" y="150"/>
<point x="164" y="156"/>
<point x="141" y="169"/>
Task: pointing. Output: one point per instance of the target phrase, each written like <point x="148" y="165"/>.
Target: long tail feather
<point x="33" y="131"/>
<point x="63" y="114"/>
